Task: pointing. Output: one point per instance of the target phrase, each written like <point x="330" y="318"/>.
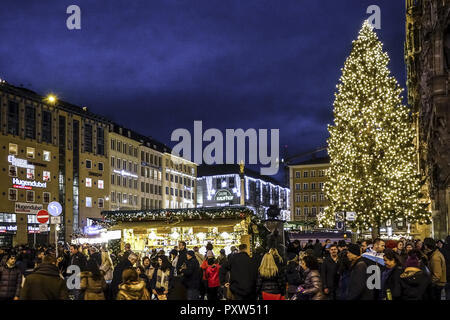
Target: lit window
<point x="46" y="196"/>
<point x="88" y="164"/>
<point x="46" y="155"/>
<point x="13" y="149"/>
<point x="30" y="196"/>
<point x="88" y="202"/>
<point x="100" y="166"/>
<point x="100" y="202"/>
<point x="12" y="194"/>
<point x="88" y="182"/>
<point x="46" y="175"/>
<point x="298" y="211"/>
<point x="12" y="171"/>
<point x="30" y="152"/>
<point x="30" y="174"/>
<point x="100" y="184"/>
<point x="113" y="196"/>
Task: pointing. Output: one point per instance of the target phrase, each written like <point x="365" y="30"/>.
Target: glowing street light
<point x="51" y="98"/>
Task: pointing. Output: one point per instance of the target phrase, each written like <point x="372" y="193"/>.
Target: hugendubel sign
<point x="30" y="208"/>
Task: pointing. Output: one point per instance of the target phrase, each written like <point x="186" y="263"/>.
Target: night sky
<point x="158" y="65"/>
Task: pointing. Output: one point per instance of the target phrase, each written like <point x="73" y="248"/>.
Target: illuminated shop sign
<point x="125" y="173"/>
<point x="22" y="184"/>
<point x="10" y="228"/>
<point x="21" y="163"/>
<point x="93" y="230"/>
<point x="223" y="195"/>
<point x="30" y="208"/>
<point x="32" y="229"/>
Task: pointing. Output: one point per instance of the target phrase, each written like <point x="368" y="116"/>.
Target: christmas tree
<point x="373" y="165"/>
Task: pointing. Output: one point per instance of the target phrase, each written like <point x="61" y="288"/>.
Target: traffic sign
<point x="42" y="216"/>
<point x="340" y="216"/>
<point x="350" y="216"/>
<point x="55" y="220"/>
<point x="43" y="227"/>
<point x="340" y="225"/>
<point x="54" y="208"/>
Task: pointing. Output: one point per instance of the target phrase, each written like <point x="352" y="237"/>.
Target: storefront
<point x="8" y="228"/>
<point x="163" y="229"/>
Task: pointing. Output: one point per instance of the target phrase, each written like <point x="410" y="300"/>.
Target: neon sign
<point x="125" y="173"/>
<point x="23" y="184"/>
<point x="21" y="163"/>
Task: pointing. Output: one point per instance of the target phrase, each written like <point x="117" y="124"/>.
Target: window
<point x="124" y="198"/>
<point x="176" y="192"/>
<point x="13" y="149"/>
<point x="100" y="141"/>
<point x="31" y="218"/>
<point x="113" y="196"/>
<point x="113" y="144"/>
<point x="119" y="180"/>
<point x="88" y="164"/>
<point x="298" y="211"/>
<point x="135" y="168"/>
<point x="124" y="164"/>
<point x="321" y="185"/>
<point x="305" y="197"/>
<point x="313" y="173"/>
<point x="46" y="197"/>
<point x="13" y="118"/>
<point x="100" y="184"/>
<point x="135" y="152"/>
<point x="130" y="183"/>
<point x="313" y="186"/>
<point x="297" y="174"/>
<point x="124" y="181"/>
<point x="46" y="126"/>
<point x="298" y="197"/>
<point x="100" y="202"/>
<point x="88" y="182"/>
<point x="12" y="171"/>
<point x="306" y="211"/>
<point x="88" y="202"/>
<point x="46" y="155"/>
<point x="167" y="190"/>
<point x="119" y="146"/>
<point x="135" y="200"/>
<point x="100" y="166"/>
<point x="87" y="137"/>
<point x="30" y="153"/>
<point x="46" y="175"/>
<point x="171" y="191"/>
<point x="135" y="184"/>
<point x="12" y="194"/>
<point x="130" y="199"/>
<point x="113" y="163"/>
<point x="321" y="197"/>
<point x="30" y="196"/>
<point x="305" y="174"/>
<point x="9" y="217"/>
<point x="313" y="197"/>
<point x="321" y="210"/>
<point x="119" y="197"/>
<point x="297" y="186"/>
<point x="30" y="122"/>
<point x="130" y="165"/>
<point x="305" y="186"/>
<point x="113" y="178"/>
<point x="313" y="211"/>
<point x="30" y="174"/>
<point x="176" y="179"/>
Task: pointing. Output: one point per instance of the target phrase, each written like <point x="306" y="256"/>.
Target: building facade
<point x="50" y="148"/>
<point x="225" y="185"/>
<point x="306" y="181"/>
<point x="427" y="56"/>
<point x="179" y="182"/>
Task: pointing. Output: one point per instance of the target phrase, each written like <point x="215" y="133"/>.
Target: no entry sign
<point x="42" y="216"/>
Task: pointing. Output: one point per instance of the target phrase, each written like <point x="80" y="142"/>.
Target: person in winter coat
<point x="357" y="286"/>
<point x="437" y="267"/>
<point x="270" y="278"/>
<point x="149" y="269"/>
<point x="10" y="278"/>
<point x="390" y="278"/>
<point x="414" y="281"/>
<point x="222" y="258"/>
<point x="131" y="287"/>
<point x="329" y="273"/>
<point x="77" y="258"/>
<point x="107" y="265"/>
<point x="311" y="289"/>
<point x="243" y="273"/>
<point x="182" y="252"/>
<point x="212" y="276"/>
<point x="162" y="282"/>
<point x="318" y="249"/>
<point x="119" y="269"/>
<point x="142" y="276"/>
<point x="192" y="276"/>
<point x="45" y="283"/>
<point x="95" y="255"/>
<point x="92" y="282"/>
<point x="293" y="276"/>
<point x="343" y="270"/>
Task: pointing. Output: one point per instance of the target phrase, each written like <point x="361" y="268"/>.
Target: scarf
<point x="162" y="279"/>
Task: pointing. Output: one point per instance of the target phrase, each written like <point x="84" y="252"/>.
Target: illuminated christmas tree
<point x="373" y="170"/>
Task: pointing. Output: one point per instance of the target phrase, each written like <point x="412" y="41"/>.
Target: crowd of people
<point x="405" y="270"/>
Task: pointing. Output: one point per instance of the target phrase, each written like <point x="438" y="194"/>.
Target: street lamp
<point x="51" y="98"/>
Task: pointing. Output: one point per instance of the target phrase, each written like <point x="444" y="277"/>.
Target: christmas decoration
<point x="373" y="169"/>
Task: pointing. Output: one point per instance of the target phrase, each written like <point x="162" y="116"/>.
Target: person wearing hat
<point x="414" y="282"/>
<point x="10" y="278"/>
<point x="357" y="287"/>
<point x="192" y="276"/>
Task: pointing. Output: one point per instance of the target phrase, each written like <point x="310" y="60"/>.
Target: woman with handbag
<point x="162" y="280"/>
<point x="107" y="266"/>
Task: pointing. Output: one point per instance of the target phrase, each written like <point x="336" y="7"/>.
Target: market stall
<point x="163" y="229"/>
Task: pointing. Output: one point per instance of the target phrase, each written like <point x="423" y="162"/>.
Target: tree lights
<point x="372" y="155"/>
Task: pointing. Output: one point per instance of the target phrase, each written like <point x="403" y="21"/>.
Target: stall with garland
<point x="162" y="229"/>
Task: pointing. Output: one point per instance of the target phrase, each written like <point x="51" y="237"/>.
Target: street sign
<point x="54" y="208"/>
<point x="350" y="216"/>
<point x="42" y="216"/>
<point x="340" y="216"/>
<point x="43" y="227"/>
<point x="55" y="220"/>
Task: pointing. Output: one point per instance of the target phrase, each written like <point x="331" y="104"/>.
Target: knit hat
<point x="354" y="248"/>
<point x="412" y="261"/>
<point x="191" y="253"/>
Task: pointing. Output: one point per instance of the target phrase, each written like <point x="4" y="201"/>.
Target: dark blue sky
<point x="158" y="65"/>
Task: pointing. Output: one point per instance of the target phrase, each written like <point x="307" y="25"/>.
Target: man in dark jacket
<point x="357" y="287"/>
<point x="10" y="278"/>
<point x="192" y="276"/>
<point x="318" y="249"/>
<point x="446" y="253"/>
<point x="45" y="283"/>
<point x="118" y="270"/>
<point x="243" y="274"/>
<point x="329" y="273"/>
<point x="95" y="255"/>
<point x="77" y="258"/>
<point x="181" y="257"/>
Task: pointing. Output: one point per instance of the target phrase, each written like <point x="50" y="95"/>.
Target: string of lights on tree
<point x="373" y="170"/>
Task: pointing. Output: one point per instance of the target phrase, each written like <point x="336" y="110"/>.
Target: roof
<point x="321" y="160"/>
<point x="219" y="169"/>
<point x="147" y="141"/>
